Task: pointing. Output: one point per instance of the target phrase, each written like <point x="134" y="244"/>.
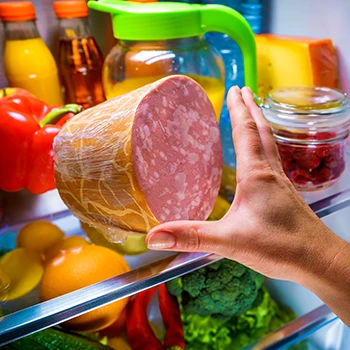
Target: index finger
<point x="248" y="146"/>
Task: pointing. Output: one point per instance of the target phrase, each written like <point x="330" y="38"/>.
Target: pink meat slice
<point x="176" y="151"/>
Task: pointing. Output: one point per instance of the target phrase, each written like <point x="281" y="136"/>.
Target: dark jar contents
<point x="80" y="60"/>
<point x="310" y="126"/>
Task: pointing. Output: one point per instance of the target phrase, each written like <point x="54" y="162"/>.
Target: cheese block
<point x="285" y="61"/>
<point x="146" y="157"/>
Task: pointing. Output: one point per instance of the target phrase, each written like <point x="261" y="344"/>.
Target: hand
<point x="269" y="227"/>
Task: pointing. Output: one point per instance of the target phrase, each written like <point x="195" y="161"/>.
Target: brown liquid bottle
<point x="79" y="58"/>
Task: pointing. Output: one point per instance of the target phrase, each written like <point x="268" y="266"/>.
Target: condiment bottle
<point x="310" y="125"/>
<point x="28" y="62"/>
<point x="79" y="58"/>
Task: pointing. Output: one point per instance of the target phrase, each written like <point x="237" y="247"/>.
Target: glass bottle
<point x="79" y="58"/>
<point x="233" y="60"/>
<point x="28" y="62"/>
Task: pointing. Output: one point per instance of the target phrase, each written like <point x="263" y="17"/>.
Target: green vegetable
<point x="54" y="339"/>
<point x="220" y="290"/>
<point x="207" y="333"/>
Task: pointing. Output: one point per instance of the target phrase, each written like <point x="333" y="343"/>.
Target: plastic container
<point x="164" y="38"/>
<point x="79" y="58"/>
<point x="132" y="64"/>
<point x="310" y="125"/>
<point x="233" y="62"/>
<point x="28" y="62"/>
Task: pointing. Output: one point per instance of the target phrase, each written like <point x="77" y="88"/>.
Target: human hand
<point x="269" y="227"/>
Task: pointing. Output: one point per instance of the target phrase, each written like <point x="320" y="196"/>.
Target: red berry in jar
<point x="310" y="125"/>
<point x="310" y="160"/>
<point x="300" y="176"/>
<point x="314" y="163"/>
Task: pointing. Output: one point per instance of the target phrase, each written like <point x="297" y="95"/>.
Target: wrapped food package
<point x="147" y="157"/>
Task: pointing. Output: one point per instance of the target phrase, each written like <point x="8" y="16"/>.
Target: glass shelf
<point x="148" y="269"/>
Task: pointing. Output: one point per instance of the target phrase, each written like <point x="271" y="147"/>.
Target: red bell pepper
<point x="27" y="129"/>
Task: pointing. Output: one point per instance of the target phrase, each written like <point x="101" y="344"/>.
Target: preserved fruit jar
<point x="310" y="126"/>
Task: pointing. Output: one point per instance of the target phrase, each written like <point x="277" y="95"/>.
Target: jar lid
<point x="306" y="100"/>
<point x="17" y="11"/>
<point x="308" y="109"/>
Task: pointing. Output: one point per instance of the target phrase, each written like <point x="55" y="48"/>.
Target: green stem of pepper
<point x="54" y="116"/>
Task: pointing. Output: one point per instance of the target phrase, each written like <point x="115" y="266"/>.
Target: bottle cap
<point x="17" y="11"/>
<point x="70" y="9"/>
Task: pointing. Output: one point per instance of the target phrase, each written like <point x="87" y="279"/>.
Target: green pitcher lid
<point x="173" y="20"/>
<point x="151" y="21"/>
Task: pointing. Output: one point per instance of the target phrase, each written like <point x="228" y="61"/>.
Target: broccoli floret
<point x="175" y="287"/>
<point x="221" y="290"/>
<point x="193" y="282"/>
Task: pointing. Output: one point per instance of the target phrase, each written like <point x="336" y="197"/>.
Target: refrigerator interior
<point x="317" y="18"/>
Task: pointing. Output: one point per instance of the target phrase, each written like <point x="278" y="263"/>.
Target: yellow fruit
<point x="119" y="343"/>
<point x="228" y="181"/>
<point x="24" y="269"/>
<point x="64" y="244"/>
<point x="79" y="267"/>
<point x="4" y="284"/>
<point x="134" y="244"/>
<point x="39" y="236"/>
<point x="221" y="207"/>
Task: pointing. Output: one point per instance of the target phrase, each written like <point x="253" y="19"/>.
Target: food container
<point x="310" y="125"/>
<point x="132" y="64"/>
<point x="159" y="39"/>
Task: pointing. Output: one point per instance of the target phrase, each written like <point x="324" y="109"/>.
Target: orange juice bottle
<point x="28" y="62"/>
<point x="79" y="58"/>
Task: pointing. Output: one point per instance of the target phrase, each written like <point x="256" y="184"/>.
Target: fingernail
<point x="161" y="240"/>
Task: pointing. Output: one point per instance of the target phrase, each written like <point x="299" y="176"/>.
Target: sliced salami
<point x="150" y="156"/>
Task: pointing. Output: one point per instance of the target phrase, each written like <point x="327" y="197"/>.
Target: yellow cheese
<point x="285" y="61"/>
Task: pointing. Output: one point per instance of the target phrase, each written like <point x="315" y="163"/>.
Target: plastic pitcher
<point x="160" y="39"/>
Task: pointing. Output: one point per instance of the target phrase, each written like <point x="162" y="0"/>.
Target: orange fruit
<point x="64" y="244"/>
<point x="39" y="236"/>
<point x="79" y="267"/>
<point x="116" y="328"/>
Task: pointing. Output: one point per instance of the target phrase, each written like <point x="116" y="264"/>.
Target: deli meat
<point x="149" y="156"/>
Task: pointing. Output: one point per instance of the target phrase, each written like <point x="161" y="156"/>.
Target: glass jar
<point x="310" y="125"/>
<point x="132" y="64"/>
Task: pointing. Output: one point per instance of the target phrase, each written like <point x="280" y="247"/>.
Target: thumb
<point x="190" y="236"/>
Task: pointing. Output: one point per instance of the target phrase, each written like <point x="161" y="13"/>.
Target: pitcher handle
<point x="218" y="18"/>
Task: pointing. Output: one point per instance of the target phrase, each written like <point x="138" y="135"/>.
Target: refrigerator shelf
<point x="148" y="269"/>
<point x="52" y="312"/>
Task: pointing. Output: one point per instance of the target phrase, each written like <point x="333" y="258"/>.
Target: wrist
<point x="326" y="269"/>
